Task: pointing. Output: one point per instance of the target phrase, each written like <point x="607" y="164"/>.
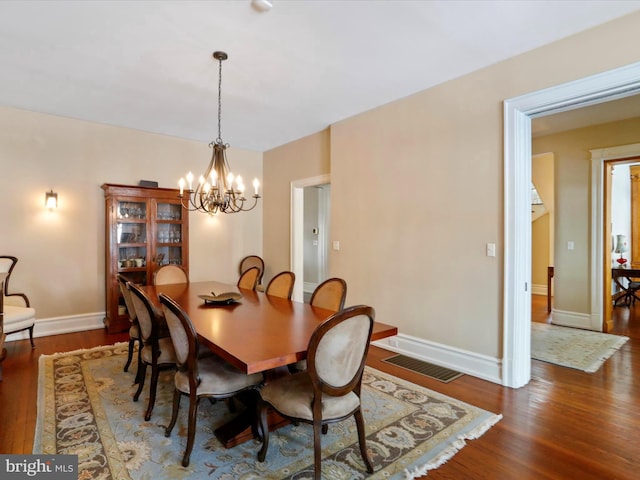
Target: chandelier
<point x="217" y="189"/>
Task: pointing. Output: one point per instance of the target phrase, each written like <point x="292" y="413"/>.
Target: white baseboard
<point x="470" y="363"/>
<point x="539" y="289"/>
<point x="573" y="319"/>
<point x="58" y="325"/>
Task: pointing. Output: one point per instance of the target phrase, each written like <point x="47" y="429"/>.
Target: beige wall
<point x="417" y="188"/>
<point x="542" y="231"/>
<point x="572" y="212"/>
<point x="540" y="251"/>
<point x="61" y="253"/>
<point x="304" y="158"/>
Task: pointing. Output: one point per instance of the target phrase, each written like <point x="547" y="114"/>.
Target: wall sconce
<point x="51" y="200"/>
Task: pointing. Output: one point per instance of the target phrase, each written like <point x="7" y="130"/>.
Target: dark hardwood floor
<point x="565" y="424"/>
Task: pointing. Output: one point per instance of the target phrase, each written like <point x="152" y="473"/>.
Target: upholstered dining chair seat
<point x="294" y="398"/>
<point x="18" y="318"/>
<point x="217" y="377"/>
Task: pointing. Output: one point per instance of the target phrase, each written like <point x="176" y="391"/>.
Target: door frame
<point x="518" y="112"/>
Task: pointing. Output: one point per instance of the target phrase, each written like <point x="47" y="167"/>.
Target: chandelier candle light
<point x="215" y="191"/>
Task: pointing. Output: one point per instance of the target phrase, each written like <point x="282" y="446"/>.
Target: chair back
<point x="338" y="351"/>
<point x="252" y="261"/>
<point x="146" y="314"/>
<point x="249" y="279"/>
<point x="126" y="294"/>
<point x="183" y="336"/>
<point x="330" y="295"/>
<point x="170" y="274"/>
<point x="281" y="285"/>
<point x="7" y="263"/>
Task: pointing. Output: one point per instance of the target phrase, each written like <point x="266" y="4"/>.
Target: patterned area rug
<point x="85" y="408"/>
<point x="573" y="347"/>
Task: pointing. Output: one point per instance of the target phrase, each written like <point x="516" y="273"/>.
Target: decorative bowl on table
<point x="225" y="298"/>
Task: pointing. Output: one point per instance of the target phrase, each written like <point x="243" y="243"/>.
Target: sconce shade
<point x="51" y="200"/>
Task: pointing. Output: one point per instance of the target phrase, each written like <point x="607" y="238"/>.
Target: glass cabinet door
<point x="169" y="234"/>
<point x="131" y="235"/>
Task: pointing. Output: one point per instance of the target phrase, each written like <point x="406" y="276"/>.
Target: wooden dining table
<point x="258" y="333"/>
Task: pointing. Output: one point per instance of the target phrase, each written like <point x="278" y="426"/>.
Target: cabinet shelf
<point x="155" y="213"/>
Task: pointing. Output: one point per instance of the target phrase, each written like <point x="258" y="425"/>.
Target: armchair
<point x="17" y="312"/>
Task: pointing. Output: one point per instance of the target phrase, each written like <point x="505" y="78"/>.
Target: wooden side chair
<point x="252" y="261"/>
<point x="134" y="328"/>
<point x="209" y="377"/>
<point x="18" y="313"/>
<point x="249" y="279"/>
<point x="157" y="350"/>
<point x="330" y="295"/>
<point x="168" y="274"/>
<point x="329" y="390"/>
<point x="281" y="285"/>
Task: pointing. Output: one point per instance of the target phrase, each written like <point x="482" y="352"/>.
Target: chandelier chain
<point x="219" y="139"/>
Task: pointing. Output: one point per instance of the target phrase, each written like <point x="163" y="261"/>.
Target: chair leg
<point x="153" y="387"/>
<point x="191" y="429"/>
<point x="362" y="439"/>
<point x="174" y="415"/>
<point x="264" y="428"/>
<point x="142" y="374"/>
<point x="33" y="345"/>
<point x="139" y="375"/>
<point x="317" y="451"/>
<point x="132" y="342"/>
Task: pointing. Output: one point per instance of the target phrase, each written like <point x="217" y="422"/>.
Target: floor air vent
<point x="445" y="375"/>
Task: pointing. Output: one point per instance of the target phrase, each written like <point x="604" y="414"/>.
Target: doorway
<point x="315" y="237"/>
<point x="518" y="113"/>
<point x="298" y="230"/>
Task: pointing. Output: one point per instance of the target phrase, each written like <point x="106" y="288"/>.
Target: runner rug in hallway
<point x="85" y="408"/>
<point x="573" y="347"/>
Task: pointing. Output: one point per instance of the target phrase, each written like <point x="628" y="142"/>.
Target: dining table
<point x="256" y="333"/>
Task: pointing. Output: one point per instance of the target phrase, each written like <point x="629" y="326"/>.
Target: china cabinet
<point x="145" y="228"/>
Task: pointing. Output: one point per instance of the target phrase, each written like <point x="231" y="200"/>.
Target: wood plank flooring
<point x="565" y="424"/>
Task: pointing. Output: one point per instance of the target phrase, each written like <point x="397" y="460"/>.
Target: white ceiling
<point x="291" y="71"/>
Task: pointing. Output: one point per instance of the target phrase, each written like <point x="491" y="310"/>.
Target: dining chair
<point x="157" y="348"/>
<point x="18" y="313"/>
<point x="134" y="328"/>
<point x="252" y="261"/>
<point x="197" y="378"/>
<point x="281" y="285"/>
<point x="249" y="279"/>
<point x="329" y="295"/>
<point x="329" y="390"/>
<point x="167" y="274"/>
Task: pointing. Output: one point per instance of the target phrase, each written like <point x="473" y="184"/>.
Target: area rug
<point x="85" y="408"/>
<point x="573" y="347"/>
